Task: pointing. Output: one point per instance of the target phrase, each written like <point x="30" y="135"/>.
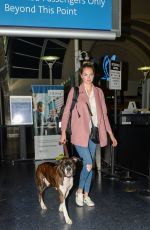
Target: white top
<point x="92" y="103"/>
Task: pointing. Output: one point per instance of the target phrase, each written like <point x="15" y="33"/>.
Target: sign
<point x="70" y="14"/>
<point x="106" y="66"/>
<point x="47" y="147"/>
<point x="115" y="75"/>
<point x="21" y="110"/>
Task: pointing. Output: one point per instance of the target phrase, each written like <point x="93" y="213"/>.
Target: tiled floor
<point x="115" y="208"/>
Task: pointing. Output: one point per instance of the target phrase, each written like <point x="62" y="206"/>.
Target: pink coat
<point x="81" y="117"/>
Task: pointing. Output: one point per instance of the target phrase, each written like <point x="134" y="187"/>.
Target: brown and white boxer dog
<point x="59" y="176"/>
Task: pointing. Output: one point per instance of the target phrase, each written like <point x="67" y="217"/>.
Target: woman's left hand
<point x="113" y="139"/>
<point x="114" y="142"/>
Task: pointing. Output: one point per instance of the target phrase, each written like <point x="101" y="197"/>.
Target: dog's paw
<point x="68" y="221"/>
<point x="43" y="212"/>
<point x="43" y="207"/>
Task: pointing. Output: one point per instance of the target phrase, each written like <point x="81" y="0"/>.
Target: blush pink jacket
<point x="81" y="117"/>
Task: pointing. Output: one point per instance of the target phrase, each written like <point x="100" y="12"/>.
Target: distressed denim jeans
<point x="87" y="154"/>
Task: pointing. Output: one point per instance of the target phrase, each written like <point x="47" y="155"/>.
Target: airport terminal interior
<point x="121" y="176"/>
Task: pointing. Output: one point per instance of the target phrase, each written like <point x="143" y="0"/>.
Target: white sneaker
<point x="79" y="199"/>
<point x="87" y="200"/>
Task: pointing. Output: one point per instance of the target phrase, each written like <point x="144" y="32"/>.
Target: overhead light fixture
<point x="145" y="70"/>
<point x="50" y="60"/>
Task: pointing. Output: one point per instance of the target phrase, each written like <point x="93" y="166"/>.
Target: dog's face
<point x="68" y="165"/>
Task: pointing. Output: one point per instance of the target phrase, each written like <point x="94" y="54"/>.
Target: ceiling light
<point x="50" y="60"/>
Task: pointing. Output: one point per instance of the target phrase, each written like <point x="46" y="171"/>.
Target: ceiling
<point x="24" y="54"/>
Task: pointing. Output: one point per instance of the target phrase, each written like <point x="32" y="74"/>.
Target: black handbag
<point x="94" y="135"/>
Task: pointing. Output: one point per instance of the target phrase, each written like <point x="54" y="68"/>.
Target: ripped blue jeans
<point x="87" y="154"/>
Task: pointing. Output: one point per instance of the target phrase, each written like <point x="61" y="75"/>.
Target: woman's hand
<point x="63" y="138"/>
<point x="113" y="139"/>
<point x="114" y="142"/>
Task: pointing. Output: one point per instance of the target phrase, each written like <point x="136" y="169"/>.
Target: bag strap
<point x="74" y="99"/>
<point x="89" y="109"/>
<point x="90" y="113"/>
<point x="65" y="150"/>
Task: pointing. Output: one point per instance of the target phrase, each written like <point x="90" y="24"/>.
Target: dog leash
<point x="66" y="154"/>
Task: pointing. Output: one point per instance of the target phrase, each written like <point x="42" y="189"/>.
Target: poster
<point x="47" y="147"/>
<point x="47" y="102"/>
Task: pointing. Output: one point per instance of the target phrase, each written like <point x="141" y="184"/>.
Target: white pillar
<point x="50" y="73"/>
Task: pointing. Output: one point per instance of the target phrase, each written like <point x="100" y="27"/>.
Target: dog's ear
<point x="60" y="160"/>
<point x="59" y="165"/>
<point x="75" y="159"/>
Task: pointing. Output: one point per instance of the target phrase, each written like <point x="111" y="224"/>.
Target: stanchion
<point x="129" y="182"/>
<point x="127" y="178"/>
<point x="112" y="174"/>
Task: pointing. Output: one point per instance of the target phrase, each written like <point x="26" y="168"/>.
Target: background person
<point x="53" y="122"/>
<point x="81" y="126"/>
<point x="39" y="119"/>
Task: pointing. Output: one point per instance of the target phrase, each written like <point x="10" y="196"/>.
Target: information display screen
<point x="21" y="110"/>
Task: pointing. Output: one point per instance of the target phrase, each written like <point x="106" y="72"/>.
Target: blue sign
<point x="67" y="14"/>
<point x="106" y="65"/>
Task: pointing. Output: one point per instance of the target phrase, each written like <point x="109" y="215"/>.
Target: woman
<point x="81" y="126"/>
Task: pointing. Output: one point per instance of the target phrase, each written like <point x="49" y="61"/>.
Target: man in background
<point x="39" y="119"/>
